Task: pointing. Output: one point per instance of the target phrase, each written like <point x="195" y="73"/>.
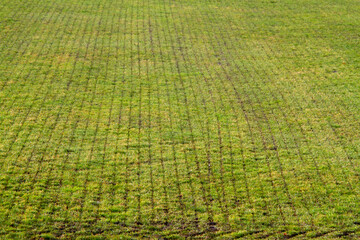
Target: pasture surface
<point x="183" y="118"/>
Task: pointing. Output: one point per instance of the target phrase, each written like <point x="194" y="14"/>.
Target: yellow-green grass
<point x="174" y="119"/>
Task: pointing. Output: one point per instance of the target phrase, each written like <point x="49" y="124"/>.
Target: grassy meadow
<point x="179" y="119"/>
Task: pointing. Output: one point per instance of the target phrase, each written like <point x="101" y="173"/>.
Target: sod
<point x="179" y="119"/>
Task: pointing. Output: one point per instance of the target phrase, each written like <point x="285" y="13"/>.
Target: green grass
<point x="173" y="119"/>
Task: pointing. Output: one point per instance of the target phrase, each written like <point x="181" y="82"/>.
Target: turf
<point x="174" y="119"/>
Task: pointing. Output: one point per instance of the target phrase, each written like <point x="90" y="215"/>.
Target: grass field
<point x="184" y="118"/>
